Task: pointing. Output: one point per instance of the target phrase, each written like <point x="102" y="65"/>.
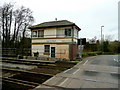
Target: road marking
<point x="76" y="71"/>
<point x="66" y="71"/>
<point x="63" y="81"/>
<point x="85" y="62"/>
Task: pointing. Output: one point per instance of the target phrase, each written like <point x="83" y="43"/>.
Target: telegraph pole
<point x="101" y="40"/>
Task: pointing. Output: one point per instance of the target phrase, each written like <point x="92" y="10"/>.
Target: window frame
<point x="40" y="33"/>
<point x="67" y="33"/>
<point x="47" y="50"/>
<point x="34" y="35"/>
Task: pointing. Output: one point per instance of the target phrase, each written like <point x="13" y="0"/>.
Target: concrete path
<point x="85" y="75"/>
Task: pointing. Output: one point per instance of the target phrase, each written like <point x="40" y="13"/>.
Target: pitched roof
<point x="54" y="24"/>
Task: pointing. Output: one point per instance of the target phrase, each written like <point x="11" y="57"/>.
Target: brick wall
<point x="73" y="51"/>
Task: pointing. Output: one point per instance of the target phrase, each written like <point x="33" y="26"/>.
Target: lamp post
<point x="101" y="38"/>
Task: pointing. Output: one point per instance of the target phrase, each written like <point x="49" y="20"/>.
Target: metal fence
<point x="16" y="51"/>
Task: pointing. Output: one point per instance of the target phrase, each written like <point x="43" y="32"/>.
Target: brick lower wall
<point x="73" y="51"/>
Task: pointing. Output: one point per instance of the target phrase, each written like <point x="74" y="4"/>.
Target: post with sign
<point x="81" y="48"/>
<point x="81" y="43"/>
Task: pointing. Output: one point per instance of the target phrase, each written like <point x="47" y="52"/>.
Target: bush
<point x="86" y="54"/>
<point x="92" y="53"/>
<point x="108" y="53"/>
<point x="75" y="62"/>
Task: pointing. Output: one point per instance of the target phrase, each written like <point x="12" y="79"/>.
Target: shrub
<point x="86" y="54"/>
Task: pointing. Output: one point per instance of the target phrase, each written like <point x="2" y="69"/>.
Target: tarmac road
<point x="107" y="60"/>
<point x="94" y="72"/>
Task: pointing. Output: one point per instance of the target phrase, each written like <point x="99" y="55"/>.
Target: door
<point x="52" y="51"/>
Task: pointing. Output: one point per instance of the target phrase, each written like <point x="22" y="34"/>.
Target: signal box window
<point x="47" y="48"/>
<point x="67" y="32"/>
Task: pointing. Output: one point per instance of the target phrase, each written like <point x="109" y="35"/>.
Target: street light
<point x="101" y="38"/>
<point x="101" y="33"/>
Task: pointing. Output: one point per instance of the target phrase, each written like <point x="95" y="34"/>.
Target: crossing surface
<point x="94" y="72"/>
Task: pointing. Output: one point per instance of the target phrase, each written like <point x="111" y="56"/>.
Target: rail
<point x="33" y="61"/>
<point x="21" y="82"/>
<point x="26" y="72"/>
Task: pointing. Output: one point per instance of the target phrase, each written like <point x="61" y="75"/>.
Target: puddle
<point x="90" y="73"/>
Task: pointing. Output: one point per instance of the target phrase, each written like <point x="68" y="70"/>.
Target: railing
<point x="16" y="51"/>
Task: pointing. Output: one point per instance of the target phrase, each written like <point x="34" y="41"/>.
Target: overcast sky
<point x="89" y="15"/>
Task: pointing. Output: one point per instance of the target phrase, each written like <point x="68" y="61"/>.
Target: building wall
<point x="51" y="40"/>
<point x="51" y="32"/>
<point x="61" y="43"/>
<point x="37" y="48"/>
<point x="73" y="51"/>
<point x="75" y="33"/>
<point x="61" y="50"/>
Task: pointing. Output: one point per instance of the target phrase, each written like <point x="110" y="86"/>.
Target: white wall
<point x="75" y="33"/>
<point x="37" y="48"/>
<point x="61" y="51"/>
<point x="50" y="32"/>
<point x="51" y="40"/>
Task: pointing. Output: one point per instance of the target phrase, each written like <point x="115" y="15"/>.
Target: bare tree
<point x="6" y="21"/>
<point x="23" y="18"/>
<point x="109" y="37"/>
<point x="14" y="22"/>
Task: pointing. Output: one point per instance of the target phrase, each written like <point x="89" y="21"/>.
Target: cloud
<point x="89" y="15"/>
<point x="58" y="5"/>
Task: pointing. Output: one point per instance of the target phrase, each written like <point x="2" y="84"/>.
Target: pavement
<point x="93" y="72"/>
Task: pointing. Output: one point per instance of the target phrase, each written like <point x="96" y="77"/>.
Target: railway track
<point x="25" y="78"/>
<point x="31" y="78"/>
<point x="26" y="72"/>
<point x="20" y="82"/>
<point x="25" y="60"/>
<point x="36" y="63"/>
<point x="28" y="63"/>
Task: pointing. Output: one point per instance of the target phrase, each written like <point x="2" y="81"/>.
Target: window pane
<point x="67" y="32"/>
<point x="47" y="48"/>
<point x="34" y="33"/>
<point x="41" y="33"/>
